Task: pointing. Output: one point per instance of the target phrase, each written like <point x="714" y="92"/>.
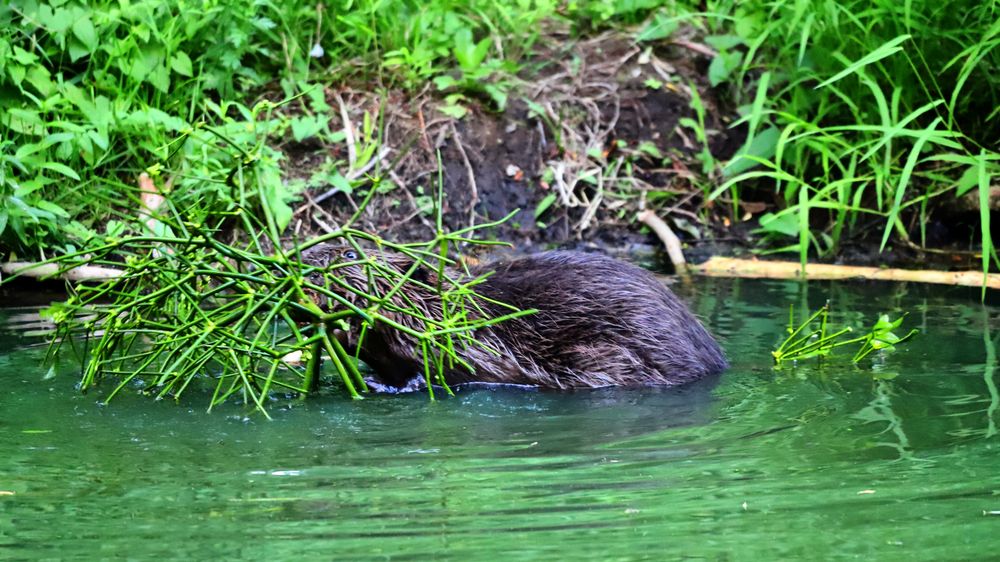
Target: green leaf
<point x="55" y="21"/>
<point x="660" y="27"/>
<point x="453" y="110"/>
<point x="145" y="61"/>
<point x="276" y="198"/>
<point x="41" y="79"/>
<point x="724" y="42"/>
<point x="688" y="123"/>
<point x="786" y="224"/>
<point x="443" y="81"/>
<point x="480" y="52"/>
<point x="877" y="343"/>
<point x="61" y="169"/>
<point x="544" y="204"/>
<point x="984" y="216"/>
<point x="535" y="109"/>
<point x="181" y="64"/>
<point x="77" y="50"/>
<point x="160" y="78"/>
<point x="498" y="96"/>
<point x="84" y="30"/>
<point x="28" y="149"/>
<point x="23" y="120"/>
<point x="17" y="74"/>
<point x="307" y="126"/>
<point x="24" y="57"/>
<point x="969" y="180"/>
<point x="650" y="149"/>
<point x="883" y="323"/>
<point x="468" y="54"/>
<point x="748" y="23"/>
<point x="723" y="65"/>
<point x="341" y="183"/>
<point x="904" y="178"/>
<point x="152" y="117"/>
<point x="51" y="207"/>
<point x="763" y="147"/>
<point x="114" y="228"/>
<point x="99" y="139"/>
<point x="888" y="48"/>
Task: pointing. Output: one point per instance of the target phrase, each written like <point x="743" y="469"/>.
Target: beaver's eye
<point x="350" y="255"/>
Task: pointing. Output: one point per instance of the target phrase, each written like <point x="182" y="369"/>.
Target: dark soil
<point x="600" y="111"/>
<point x="603" y="117"/>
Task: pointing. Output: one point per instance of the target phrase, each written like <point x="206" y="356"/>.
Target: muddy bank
<point x="596" y="131"/>
<point x="593" y="132"/>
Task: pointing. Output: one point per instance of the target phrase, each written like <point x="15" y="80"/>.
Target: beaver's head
<point x="360" y="275"/>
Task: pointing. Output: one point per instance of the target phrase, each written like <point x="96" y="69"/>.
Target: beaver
<point x="598" y="322"/>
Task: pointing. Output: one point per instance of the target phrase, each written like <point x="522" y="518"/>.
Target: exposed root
<point x="667" y="236"/>
<point x="473" y="189"/>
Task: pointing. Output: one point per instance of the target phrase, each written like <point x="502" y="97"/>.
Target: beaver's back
<point x="600" y="322"/>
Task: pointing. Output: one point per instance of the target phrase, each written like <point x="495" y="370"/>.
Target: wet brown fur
<point x="600" y="322"/>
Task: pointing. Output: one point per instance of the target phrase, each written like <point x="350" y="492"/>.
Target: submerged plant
<point x="805" y="341"/>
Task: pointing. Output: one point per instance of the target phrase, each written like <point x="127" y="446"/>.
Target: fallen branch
<point x="759" y="269"/>
<point x="55" y="270"/>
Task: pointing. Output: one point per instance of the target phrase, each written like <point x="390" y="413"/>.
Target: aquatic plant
<point x="202" y="288"/>
<point x="191" y="306"/>
<point x="803" y="342"/>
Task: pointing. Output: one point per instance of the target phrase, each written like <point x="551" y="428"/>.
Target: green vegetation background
<point x="854" y="108"/>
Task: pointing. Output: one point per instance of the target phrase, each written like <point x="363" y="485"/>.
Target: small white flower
<point x="317" y="51"/>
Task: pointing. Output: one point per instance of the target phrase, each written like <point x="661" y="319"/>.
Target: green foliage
<point x="624" y="11"/>
<point x="474" y="71"/>
<point x="192" y="310"/>
<point x="190" y="307"/>
<point x="872" y="108"/>
<point x="91" y="93"/>
<point x="853" y="108"/>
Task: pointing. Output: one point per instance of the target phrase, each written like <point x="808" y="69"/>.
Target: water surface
<point x="893" y="460"/>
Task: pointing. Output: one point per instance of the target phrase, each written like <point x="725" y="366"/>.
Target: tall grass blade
<point x="885" y="50"/>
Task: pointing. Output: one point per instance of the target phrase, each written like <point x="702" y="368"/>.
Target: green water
<point x="810" y="463"/>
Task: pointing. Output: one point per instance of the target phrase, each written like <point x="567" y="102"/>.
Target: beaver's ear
<point x="423" y="274"/>
<point x="420" y="275"/>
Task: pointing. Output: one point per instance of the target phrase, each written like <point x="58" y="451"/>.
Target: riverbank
<point x="752" y="129"/>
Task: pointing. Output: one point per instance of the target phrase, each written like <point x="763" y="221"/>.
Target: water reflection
<point x="821" y="460"/>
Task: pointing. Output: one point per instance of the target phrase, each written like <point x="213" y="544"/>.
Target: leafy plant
<point x="474" y="71"/>
<point x="92" y="92"/>
<point x="805" y="341"/>
<point x="871" y="108"/>
<point x="190" y="306"/>
<point x="697" y="126"/>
